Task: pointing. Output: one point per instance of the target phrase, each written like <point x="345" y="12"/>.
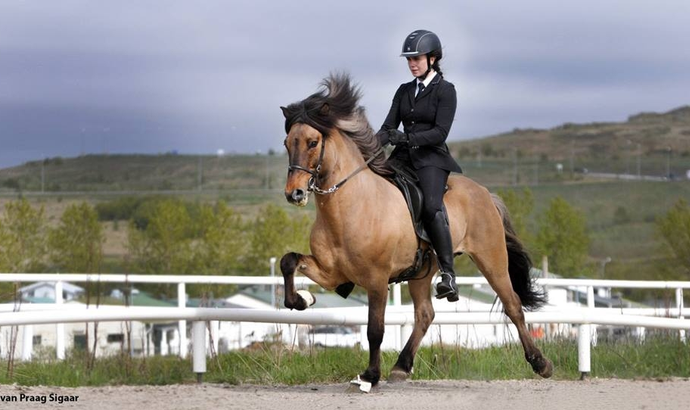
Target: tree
<point x="222" y="241"/>
<point x="22" y="238"/>
<point x="274" y="234"/>
<point x="22" y="242"/>
<point x="76" y="244"/>
<point x="164" y="245"/>
<point x="563" y="238"/>
<point x="674" y="229"/>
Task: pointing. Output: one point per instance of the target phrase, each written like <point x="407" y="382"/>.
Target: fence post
<point x="182" y="324"/>
<point x="199" y="349"/>
<point x="584" y="340"/>
<point x="679" y="306"/>
<point x="27" y="342"/>
<point x="60" y="327"/>
<point x="397" y="302"/>
<point x="592" y="305"/>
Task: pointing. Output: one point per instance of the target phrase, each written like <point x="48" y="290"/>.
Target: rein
<point x="311" y="185"/>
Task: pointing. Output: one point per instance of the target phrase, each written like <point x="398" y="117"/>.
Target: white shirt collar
<point x="428" y="79"/>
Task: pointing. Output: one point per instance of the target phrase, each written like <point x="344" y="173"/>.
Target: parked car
<point x="332" y="336"/>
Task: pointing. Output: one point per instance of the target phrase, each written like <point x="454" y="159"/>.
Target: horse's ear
<point x="325" y="109"/>
<point x="285" y="112"/>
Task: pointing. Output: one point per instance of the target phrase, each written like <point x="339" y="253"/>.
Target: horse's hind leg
<point x="307" y="265"/>
<point x="420" y="290"/>
<point x="494" y="265"/>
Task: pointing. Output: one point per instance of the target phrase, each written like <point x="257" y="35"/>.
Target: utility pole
<point x="515" y="162"/>
<point x="200" y="172"/>
<point x="268" y="185"/>
<point x="572" y="158"/>
<point x="43" y="176"/>
<point x="668" y="162"/>
<point x="627" y="159"/>
<point x="639" y="167"/>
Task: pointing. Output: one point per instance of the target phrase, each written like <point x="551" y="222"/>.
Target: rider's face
<point x="418" y="64"/>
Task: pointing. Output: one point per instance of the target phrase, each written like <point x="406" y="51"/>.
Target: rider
<point x="426" y="107"/>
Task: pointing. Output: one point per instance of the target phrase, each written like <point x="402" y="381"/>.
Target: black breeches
<point x="433" y="181"/>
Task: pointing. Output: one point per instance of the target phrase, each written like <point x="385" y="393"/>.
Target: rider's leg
<point x="433" y="182"/>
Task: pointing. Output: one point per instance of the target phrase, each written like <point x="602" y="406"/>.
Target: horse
<point x="363" y="233"/>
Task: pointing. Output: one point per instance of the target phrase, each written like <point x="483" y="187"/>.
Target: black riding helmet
<point x="422" y="42"/>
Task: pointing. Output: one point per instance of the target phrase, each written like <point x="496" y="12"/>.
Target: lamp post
<point x="273" y="285"/>
<point x="603" y="292"/>
<point x="603" y="266"/>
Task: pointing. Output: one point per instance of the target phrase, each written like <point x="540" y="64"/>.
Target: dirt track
<point x="417" y="395"/>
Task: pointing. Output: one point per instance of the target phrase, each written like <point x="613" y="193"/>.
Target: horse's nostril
<point x="298" y="195"/>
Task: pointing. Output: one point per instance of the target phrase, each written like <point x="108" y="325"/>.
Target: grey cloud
<point x="159" y="75"/>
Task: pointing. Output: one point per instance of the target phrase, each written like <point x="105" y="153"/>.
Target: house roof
<point x="66" y="287"/>
<point x="262" y="294"/>
<point x="138" y="299"/>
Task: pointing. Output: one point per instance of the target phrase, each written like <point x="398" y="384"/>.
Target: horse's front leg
<point x="307" y="265"/>
<point x="375" y="329"/>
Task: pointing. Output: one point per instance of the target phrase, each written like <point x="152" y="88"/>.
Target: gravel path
<point x="417" y="395"/>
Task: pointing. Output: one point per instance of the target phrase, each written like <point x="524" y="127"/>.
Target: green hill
<point x="646" y="134"/>
<point x="653" y="144"/>
<point x="146" y="173"/>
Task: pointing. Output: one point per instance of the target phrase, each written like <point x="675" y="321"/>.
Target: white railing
<point x="583" y="317"/>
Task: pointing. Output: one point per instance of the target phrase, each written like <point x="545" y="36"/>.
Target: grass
<point x="659" y="357"/>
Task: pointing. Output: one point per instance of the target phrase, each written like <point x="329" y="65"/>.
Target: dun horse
<point x="363" y="233"/>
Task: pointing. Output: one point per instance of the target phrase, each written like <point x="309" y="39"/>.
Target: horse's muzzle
<point x="297" y="197"/>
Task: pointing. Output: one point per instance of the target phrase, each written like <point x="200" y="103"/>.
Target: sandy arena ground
<point x="417" y="395"/>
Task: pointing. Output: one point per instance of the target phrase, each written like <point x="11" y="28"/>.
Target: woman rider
<point x="426" y="107"/>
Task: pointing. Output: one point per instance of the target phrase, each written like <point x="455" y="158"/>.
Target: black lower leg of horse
<point x="288" y="264"/>
<point x="375" y="329"/>
<point x="540" y="365"/>
<point x="423" y="317"/>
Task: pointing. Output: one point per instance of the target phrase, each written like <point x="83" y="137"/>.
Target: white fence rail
<point x="398" y="315"/>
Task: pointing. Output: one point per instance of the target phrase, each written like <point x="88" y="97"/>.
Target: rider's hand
<point x="397" y="137"/>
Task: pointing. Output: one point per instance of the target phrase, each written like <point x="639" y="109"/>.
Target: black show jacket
<point x="426" y="120"/>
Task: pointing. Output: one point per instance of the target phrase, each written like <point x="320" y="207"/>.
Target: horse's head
<point x="309" y="123"/>
<point x="305" y="147"/>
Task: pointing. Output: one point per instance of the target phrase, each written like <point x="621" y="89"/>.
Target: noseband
<point x="311" y="185"/>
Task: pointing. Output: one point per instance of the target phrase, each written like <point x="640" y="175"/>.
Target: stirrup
<point x="452" y="292"/>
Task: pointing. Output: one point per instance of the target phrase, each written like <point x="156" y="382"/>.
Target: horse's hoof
<point x="307" y="298"/>
<point x="398" y="376"/>
<point x="547" y="370"/>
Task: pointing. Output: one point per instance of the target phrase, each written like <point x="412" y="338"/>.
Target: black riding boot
<point x="439" y="233"/>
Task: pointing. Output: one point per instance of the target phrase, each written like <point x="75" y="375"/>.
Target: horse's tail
<point x="519" y="263"/>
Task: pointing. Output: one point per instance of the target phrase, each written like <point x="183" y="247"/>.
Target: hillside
<point x="528" y="156"/>
<point x="145" y="173"/>
<point x="645" y="134"/>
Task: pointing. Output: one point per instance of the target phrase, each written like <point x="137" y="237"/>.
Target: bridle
<point x="311" y="185"/>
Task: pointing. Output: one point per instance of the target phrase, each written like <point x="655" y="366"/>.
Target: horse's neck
<point x="342" y="159"/>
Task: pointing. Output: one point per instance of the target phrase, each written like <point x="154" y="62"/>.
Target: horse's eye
<point x="313" y="144"/>
<point x="285" y="142"/>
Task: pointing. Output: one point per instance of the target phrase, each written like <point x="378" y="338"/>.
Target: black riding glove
<point x="397" y="137"/>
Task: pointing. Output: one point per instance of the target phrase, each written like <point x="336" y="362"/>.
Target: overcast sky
<point x="150" y="76"/>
